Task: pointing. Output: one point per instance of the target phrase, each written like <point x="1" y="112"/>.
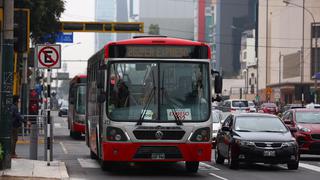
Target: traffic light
<point x="21" y="30"/>
<point x="33" y="102"/>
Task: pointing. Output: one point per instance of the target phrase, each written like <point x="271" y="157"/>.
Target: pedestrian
<point x="17" y="120"/>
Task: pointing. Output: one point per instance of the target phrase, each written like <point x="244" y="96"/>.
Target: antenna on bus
<point x="149" y="36"/>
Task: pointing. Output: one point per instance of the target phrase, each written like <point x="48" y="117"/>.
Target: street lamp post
<point x="314" y="24"/>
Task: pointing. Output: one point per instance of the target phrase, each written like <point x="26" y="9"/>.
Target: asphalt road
<point x="75" y="154"/>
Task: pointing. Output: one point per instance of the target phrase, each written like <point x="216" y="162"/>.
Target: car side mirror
<point x="287" y="121"/>
<point x="225" y="128"/>
<point x="293" y="129"/>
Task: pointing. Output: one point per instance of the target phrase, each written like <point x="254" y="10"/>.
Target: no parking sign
<point x="48" y="56"/>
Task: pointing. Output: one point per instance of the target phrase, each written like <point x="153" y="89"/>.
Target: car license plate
<point x="158" y="156"/>
<point x="269" y="153"/>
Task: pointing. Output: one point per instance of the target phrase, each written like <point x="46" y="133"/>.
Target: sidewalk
<point x="32" y="169"/>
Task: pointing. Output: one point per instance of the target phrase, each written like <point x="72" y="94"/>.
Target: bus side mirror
<point x="102" y="97"/>
<point x="218" y="84"/>
<point x="71" y="100"/>
<point x="100" y="79"/>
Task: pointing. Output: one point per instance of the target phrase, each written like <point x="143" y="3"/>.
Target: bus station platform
<point x="33" y="169"/>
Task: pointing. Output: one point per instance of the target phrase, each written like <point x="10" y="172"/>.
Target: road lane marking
<point x="207" y="166"/>
<point x="63" y="148"/>
<point x="310" y="167"/>
<point x="218" y="176"/>
<point x="88" y="163"/>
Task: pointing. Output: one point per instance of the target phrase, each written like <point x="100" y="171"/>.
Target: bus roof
<point x="157" y="41"/>
<point x="77" y="78"/>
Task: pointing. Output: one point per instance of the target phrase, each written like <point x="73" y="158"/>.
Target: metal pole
<point x="33" y="150"/>
<point x="316" y="65"/>
<point x="49" y="143"/>
<point x="280" y="56"/>
<point x="6" y="64"/>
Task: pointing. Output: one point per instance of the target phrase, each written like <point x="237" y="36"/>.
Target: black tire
<point x="232" y="163"/>
<point x="192" y="166"/>
<point x="75" y="135"/>
<point x="60" y="115"/>
<point x="218" y="157"/>
<point x="294" y="165"/>
<point x="106" y="165"/>
<point x="93" y="155"/>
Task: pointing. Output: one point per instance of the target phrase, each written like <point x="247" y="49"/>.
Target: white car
<point x="252" y="106"/>
<point x="313" y="106"/>
<point x="217" y="118"/>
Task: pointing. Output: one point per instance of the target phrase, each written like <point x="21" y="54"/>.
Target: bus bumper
<point x="79" y="127"/>
<point x="160" y="152"/>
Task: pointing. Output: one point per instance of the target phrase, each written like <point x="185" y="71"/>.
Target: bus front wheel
<point x="192" y="167"/>
<point x="106" y="165"/>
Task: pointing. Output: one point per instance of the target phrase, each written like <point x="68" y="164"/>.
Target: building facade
<point x="174" y="18"/>
<point x="112" y="11"/>
<point x="233" y="17"/>
<point x="286" y="52"/>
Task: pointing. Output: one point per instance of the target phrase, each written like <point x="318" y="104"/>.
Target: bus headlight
<point x="115" y="134"/>
<point x="201" y="135"/>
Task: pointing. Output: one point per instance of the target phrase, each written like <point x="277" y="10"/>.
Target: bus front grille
<point x="154" y="135"/>
<point x="158" y="152"/>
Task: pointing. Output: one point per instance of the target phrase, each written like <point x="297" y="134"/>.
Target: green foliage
<point x="1" y="152"/>
<point x="44" y="17"/>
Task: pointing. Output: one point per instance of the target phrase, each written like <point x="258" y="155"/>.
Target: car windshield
<point x="251" y="104"/>
<point x="240" y="103"/>
<point x="308" y="117"/>
<point x="81" y="99"/>
<point x="159" y="91"/>
<point x="259" y="124"/>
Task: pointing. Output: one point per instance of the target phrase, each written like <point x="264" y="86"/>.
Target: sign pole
<point x="49" y="143"/>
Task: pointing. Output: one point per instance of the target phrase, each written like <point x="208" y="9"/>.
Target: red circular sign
<point x="52" y="61"/>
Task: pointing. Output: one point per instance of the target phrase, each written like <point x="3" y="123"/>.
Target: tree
<point x="44" y="18"/>
<point x="154" y="29"/>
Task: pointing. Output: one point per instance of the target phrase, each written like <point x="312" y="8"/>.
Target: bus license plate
<point x="158" y="156"/>
<point x="269" y="153"/>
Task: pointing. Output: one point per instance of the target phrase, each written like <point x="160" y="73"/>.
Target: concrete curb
<point x="32" y="169"/>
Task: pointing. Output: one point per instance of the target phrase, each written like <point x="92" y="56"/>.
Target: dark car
<point x="307" y="121"/>
<point x="270" y="108"/>
<point x="256" y="138"/>
<point x="63" y="111"/>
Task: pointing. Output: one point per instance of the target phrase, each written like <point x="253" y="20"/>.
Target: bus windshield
<point x="158" y="91"/>
<point x="81" y="100"/>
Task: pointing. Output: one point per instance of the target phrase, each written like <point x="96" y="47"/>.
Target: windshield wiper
<point x="170" y="103"/>
<point x="243" y="130"/>
<point x="271" y="131"/>
<point x="146" y="106"/>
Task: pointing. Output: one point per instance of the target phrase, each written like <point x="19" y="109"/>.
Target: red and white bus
<point x="149" y="100"/>
<point x="77" y="106"/>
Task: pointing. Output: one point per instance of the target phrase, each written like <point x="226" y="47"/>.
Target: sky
<point x="83" y="43"/>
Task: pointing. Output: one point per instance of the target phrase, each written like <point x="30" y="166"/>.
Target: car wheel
<point x="293" y="165"/>
<point x="106" y="165"/>
<point x="93" y="155"/>
<point x="60" y="115"/>
<point x="232" y="163"/>
<point x="218" y="157"/>
<point x="192" y="167"/>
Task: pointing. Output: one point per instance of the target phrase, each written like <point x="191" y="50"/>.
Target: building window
<point x="245" y="55"/>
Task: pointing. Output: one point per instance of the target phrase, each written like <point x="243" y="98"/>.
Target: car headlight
<point x="289" y="144"/>
<point x="303" y="129"/>
<point x="244" y="143"/>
